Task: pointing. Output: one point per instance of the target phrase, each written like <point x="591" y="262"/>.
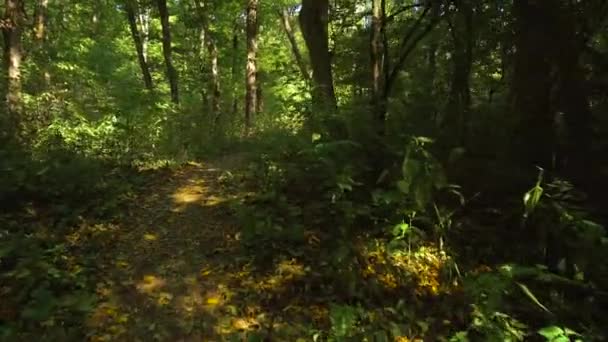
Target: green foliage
<point x="44" y="292"/>
<point x="557" y="334"/>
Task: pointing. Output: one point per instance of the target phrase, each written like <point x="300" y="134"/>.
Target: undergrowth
<point x="395" y="256"/>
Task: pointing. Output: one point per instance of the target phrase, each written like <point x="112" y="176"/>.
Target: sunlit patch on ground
<point x="175" y="272"/>
<point x="423" y="266"/>
<point x="150" y="284"/>
<point x="188" y="194"/>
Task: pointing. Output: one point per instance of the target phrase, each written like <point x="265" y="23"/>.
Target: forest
<point x="304" y="170"/>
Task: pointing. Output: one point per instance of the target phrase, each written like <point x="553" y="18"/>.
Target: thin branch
<point x="400" y="10"/>
<point x="407" y="46"/>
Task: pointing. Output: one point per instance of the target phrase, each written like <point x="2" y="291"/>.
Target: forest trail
<point x="176" y="271"/>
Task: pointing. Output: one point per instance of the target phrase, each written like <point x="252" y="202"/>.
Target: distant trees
<point x="12" y="29"/>
<point x="132" y="9"/>
<point x="251" y="83"/>
<point x="167" y="50"/>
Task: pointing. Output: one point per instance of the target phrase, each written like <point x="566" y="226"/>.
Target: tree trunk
<point x="378" y="61"/>
<point x="40" y="19"/>
<point x="208" y="41"/>
<point x="143" y="20"/>
<point x="171" y="72"/>
<point x="459" y="101"/>
<point x="139" y="46"/>
<point x="12" y="30"/>
<point x="313" y="22"/>
<point x="235" y="68"/>
<point x="572" y="95"/>
<point x="535" y="139"/>
<point x="251" y="76"/>
<point x="295" y="49"/>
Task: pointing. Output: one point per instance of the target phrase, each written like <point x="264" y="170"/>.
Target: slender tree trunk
<point x="39" y="34"/>
<point x="378" y="56"/>
<point x="12" y="31"/>
<point x="171" y="72"/>
<point x="251" y="78"/>
<point x="313" y="22"/>
<point x="40" y="19"/>
<point x="143" y="20"/>
<point x="295" y="49"/>
<point x="235" y="68"/>
<point x="139" y="46"/>
<point x="459" y="101"/>
<point x="216" y="90"/>
<point x="209" y="43"/>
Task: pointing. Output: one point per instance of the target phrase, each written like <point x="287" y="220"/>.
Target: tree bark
<point x="378" y="64"/>
<point x="295" y="49"/>
<point x="215" y="93"/>
<point x="12" y="31"/>
<point x="139" y="45"/>
<point x="143" y="20"/>
<point x="235" y="68"/>
<point x="251" y="99"/>
<point x="171" y="72"/>
<point x="40" y="20"/>
<point x="459" y="101"/>
<point x="313" y="22"/>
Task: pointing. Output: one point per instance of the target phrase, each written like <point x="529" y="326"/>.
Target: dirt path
<point x="176" y="271"/>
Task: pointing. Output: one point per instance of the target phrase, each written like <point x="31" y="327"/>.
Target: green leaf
<point x="404" y="186"/>
<point x="530" y="295"/>
<point x="552" y="332"/>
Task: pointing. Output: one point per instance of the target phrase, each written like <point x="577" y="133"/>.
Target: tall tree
<point x="130" y="8"/>
<point x="459" y="100"/>
<point x="209" y="42"/>
<point x="293" y="43"/>
<point x="378" y="61"/>
<point x="314" y="19"/>
<point x="167" y="50"/>
<point x="12" y="27"/>
<point x="235" y="67"/>
<point x="40" y="20"/>
<point x="251" y="83"/>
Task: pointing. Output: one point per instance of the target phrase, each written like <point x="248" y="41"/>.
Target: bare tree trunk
<point x="459" y="102"/>
<point x="313" y="22"/>
<point x="378" y="61"/>
<point x="295" y="49"/>
<point x="209" y="42"/>
<point x="171" y="72"/>
<point x="39" y="34"/>
<point x="40" y="19"/>
<point x="12" y="30"/>
<point x="235" y="68"/>
<point x="143" y="20"/>
<point x="139" y="46"/>
<point x="252" y="49"/>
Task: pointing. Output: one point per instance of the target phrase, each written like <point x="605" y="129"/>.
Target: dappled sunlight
<point x="150" y="284"/>
<point x="188" y="194"/>
<point x="422" y="265"/>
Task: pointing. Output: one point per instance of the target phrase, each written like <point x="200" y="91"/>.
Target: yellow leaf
<point x="150" y="237"/>
<point x="213" y="301"/>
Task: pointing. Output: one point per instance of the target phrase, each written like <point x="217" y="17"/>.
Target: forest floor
<point x="174" y="269"/>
